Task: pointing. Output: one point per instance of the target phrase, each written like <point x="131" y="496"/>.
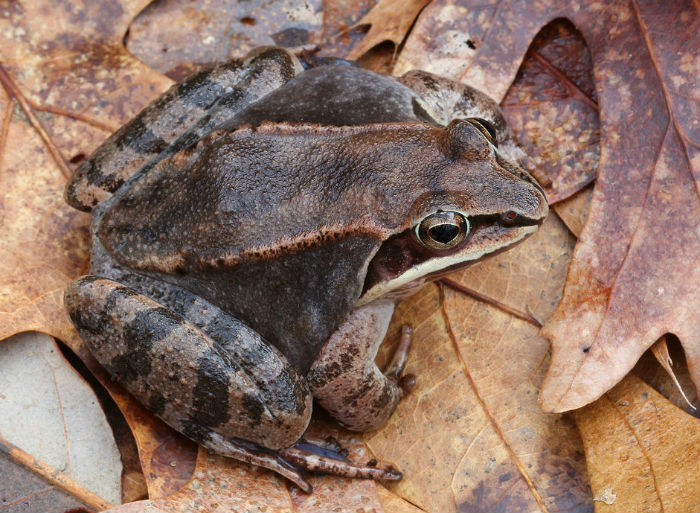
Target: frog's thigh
<point x="344" y="378"/>
<point x="184" y="375"/>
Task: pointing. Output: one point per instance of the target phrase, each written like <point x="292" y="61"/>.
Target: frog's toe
<point x="395" y="367"/>
<point x="314" y="462"/>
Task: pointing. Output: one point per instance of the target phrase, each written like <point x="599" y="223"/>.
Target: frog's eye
<point x="442" y="230"/>
<point x="485" y="128"/>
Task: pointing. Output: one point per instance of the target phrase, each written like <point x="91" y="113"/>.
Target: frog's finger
<point x="180" y="117"/>
<point x="398" y="360"/>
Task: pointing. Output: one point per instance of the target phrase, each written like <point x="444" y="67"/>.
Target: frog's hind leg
<point x="344" y="378"/>
<point x="180" y="117"/>
<point x="225" y="388"/>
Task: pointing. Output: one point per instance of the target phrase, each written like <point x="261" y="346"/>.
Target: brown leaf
<point x="642" y="451"/>
<point x="174" y="37"/>
<point x="635" y="273"/>
<point x="553" y="109"/>
<point x="389" y="20"/>
<point x="471" y="437"/>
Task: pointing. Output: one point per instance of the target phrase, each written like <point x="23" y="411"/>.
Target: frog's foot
<point x="314" y="462"/>
<point x="248" y="452"/>
<point x="396" y="365"/>
<point x="344" y="378"/>
<point x="291" y="462"/>
<point x="329" y="446"/>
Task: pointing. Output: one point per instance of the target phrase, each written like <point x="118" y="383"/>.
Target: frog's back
<point x="337" y="96"/>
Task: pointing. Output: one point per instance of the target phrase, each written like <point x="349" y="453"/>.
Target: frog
<point x="253" y="229"/>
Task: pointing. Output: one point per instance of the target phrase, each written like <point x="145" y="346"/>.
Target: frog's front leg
<point x="218" y="383"/>
<point x="344" y="378"/>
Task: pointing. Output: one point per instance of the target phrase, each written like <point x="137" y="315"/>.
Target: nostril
<point x="510" y="217"/>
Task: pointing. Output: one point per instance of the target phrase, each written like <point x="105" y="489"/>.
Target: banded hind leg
<point x="211" y="378"/>
<point x="184" y="114"/>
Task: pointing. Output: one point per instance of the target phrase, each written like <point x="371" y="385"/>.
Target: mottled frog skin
<point x="253" y="228"/>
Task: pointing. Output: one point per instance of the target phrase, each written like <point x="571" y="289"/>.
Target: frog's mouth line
<point x="401" y="266"/>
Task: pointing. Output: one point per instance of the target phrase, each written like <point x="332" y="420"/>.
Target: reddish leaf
<point x="635" y="273"/>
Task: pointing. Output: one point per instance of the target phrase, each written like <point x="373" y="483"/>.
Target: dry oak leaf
<point x="471" y="437"/>
<point x="67" y="83"/>
<point x="389" y="20"/>
<point x="175" y="37"/>
<point x="635" y="274"/>
<point x="642" y="449"/>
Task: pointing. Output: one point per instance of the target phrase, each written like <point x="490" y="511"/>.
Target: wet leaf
<point x="642" y="451"/>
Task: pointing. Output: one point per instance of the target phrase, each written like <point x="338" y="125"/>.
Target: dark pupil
<point x="444" y="233"/>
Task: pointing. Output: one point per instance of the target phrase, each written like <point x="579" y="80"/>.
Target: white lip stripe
<point x="433" y="265"/>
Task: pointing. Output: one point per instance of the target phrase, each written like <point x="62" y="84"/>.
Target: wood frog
<point x="253" y="228"/>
